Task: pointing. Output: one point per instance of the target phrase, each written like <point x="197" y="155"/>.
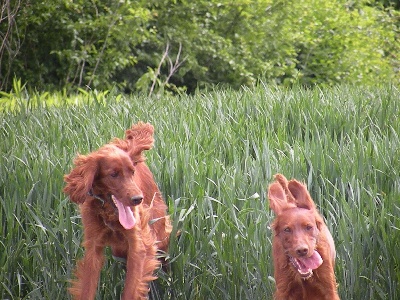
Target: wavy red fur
<point x="117" y="172"/>
<point x="301" y="235"/>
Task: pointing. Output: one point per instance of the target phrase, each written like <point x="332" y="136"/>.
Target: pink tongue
<point x="125" y="215"/>
<point x="312" y="262"/>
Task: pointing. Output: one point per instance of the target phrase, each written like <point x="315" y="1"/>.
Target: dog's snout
<point x="302" y="251"/>
<point x="137" y="199"/>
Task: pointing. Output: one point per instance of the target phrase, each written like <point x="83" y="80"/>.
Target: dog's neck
<point x="101" y="199"/>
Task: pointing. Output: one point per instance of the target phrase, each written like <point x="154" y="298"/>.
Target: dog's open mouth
<point x="306" y="265"/>
<point x="125" y="214"/>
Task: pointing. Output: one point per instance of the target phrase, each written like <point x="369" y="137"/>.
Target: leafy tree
<point x="337" y="42"/>
<point x="307" y="41"/>
<point x="155" y="46"/>
<point x="80" y="43"/>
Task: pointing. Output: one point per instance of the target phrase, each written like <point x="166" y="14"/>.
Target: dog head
<point x="297" y="224"/>
<point x="109" y="173"/>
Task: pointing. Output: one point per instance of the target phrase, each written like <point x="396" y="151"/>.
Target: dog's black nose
<point x="302" y="251"/>
<point x="137" y="199"/>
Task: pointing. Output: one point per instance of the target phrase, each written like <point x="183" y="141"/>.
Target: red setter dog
<point x="303" y="248"/>
<point x="121" y="207"/>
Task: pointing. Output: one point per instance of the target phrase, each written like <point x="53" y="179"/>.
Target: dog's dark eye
<point x="287" y="229"/>
<point x="309" y="227"/>
<point x="114" y="174"/>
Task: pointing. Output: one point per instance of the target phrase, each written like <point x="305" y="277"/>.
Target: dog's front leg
<point x="87" y="273"/>
<point x="135" y="286"/>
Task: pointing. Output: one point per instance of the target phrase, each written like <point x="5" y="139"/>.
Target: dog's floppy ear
<point x="277" y="198"/>
<point x="279" y="195"/>
<point x="80" y="180"/>
<point x="301" y="195"/>
<point x="139" y="138"/>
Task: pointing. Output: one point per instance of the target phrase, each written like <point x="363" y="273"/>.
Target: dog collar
<point x="91" y="194"/>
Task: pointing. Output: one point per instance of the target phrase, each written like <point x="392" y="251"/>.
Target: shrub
<point x="100" y="44"/>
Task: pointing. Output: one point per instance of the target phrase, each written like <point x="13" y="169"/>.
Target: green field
<point x="214" y="156"/>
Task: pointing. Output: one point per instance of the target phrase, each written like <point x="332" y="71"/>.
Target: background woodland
<point x="180" y="46"/>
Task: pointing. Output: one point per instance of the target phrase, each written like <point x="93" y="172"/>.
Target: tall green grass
<point x="214" y="156"/>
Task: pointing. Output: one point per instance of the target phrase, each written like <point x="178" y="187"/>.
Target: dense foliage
<point x="181" y="45"/>
<point x="213" y="167"/>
